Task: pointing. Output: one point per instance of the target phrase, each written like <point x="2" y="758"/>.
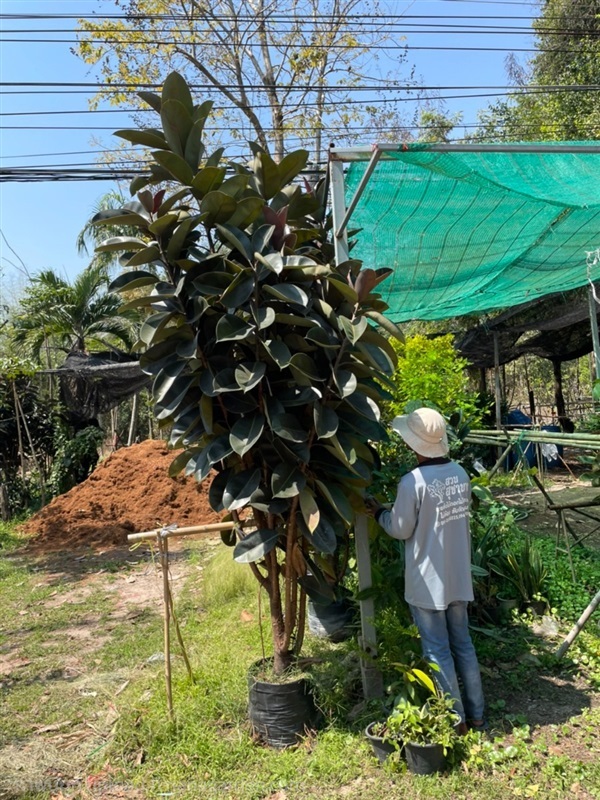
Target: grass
<point x="119" y="738"/>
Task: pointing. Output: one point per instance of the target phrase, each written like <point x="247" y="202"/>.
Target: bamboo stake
<point x="578" y="627"/>
<point x="162" y="543"/>
<point x="180" y="638"/>
<point x="173" y="530"/>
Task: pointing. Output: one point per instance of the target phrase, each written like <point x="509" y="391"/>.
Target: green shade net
<point x="470" y="232"/>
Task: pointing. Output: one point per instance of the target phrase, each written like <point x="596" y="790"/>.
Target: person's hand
<point x="372" y="505"/>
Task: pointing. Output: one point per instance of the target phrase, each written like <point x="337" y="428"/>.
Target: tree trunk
<point x="559" y="398"/>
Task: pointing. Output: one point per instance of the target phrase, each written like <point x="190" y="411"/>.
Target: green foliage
<point x="431" y="723"/>
<point x="566" y="37"/>
<point x="431" y="371"/>
<point x="593" y="468"/>
<point x="525" y="571"/>
<point x="83" y="315"/>
<point x="75" y="458"/>
<point x="265" y="367"/>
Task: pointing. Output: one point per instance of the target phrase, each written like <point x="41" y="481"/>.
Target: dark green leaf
<point x="231" y="328"/>
<point x="288" y="427"/>
<point x="146" y="256"/>
<point x="240" y="488"/>
<point x="289" y="293"/>
<point x="246" y="432"/>
<point x="255" y="545"/>
<point x="143" y="137"/>
<point x="238" y="291"/>
<point x="194" y="147"/>
<point x="217" y="488"/>
<point x="262" y="237"/>
<point x="208" y="179"/>
<point x="264" y="317"/>
<point x="287" y="480"/>
<point x="345" y="381"/>
<point x="119" y="216"/>
<point x="305" y="365"/>
<point x="218" y="206"/>
<point x="279" y="352"/>
<point x="238" y="240"/>
<point x="319" y="590"/>
<point x="364" y="405"/>
<point x="326" y="421"/>
<point x="152" y="99"/>
<point x="248" y="375"/>
<point x="177" y="124"/>
<point x="291" y="165"/>
<point x="386" y="324"/>
<point x="267" y="175"/>
<point x="179" y="463"/>
<point x="248" y="210"/>
<point x="116" y="243"/>
<point x="338" y="500"/>
<point x="133" y="280"/>
<point x="229" y="538"/>
<point x="321" y="338"/>
<point x="213" y="283"/>
<point x="175" y="164"/>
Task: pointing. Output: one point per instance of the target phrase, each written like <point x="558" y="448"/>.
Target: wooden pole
<point x="172" y="530"/>
<point x="162" y="544"/>
<point x="577" y="628"/>
<point x="19" y="435"/>
<point x="135" y="406"/>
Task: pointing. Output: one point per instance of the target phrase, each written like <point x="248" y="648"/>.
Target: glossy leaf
<point x="208" y="179"/>
<point x="310" y="509"/>
<point x="287" y="480"/>
<point x="143" y="137"/>
<point x="326" y="421"/>
<point x="175" y="164"/>
<point x="288" y="427"/>
<point x="231" y="328"/>
<point x="279" y="352"/>
<point x="345" y="381"/>
<point x="386" y="324"/>
<point x="248" y="375"/>
<point x="248" y="210"/>
<point x="177" y="124"/>
<point x="246" y="432"/>
<point x="237" y="239"/>
<point x="255" y="545"/>
<point x="146" y="256"/>
<point x="116" y="243"/>
<point x="218" y="206"/>
<point x="289" y="293"/>
<point x="133" y="280"/>
<point x="291" y="165"/>
<point x="338" y="500"/>
<point x="264" y="317"/>
<point x="240" y="488"/>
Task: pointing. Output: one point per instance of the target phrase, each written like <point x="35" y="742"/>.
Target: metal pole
<point x="594" y="327"/>
<point x="338" y="210"/>
<point x="371" y="677"/>
<point x="358" y="193"/>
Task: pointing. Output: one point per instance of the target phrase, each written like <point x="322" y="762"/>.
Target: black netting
<point x="555" y="327"/>
<point x="93" y="384"/>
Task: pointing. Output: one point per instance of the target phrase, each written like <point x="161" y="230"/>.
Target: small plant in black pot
<point x="428" y="732"/>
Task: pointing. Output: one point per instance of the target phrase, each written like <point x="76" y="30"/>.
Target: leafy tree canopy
<point x="567" y="36"/>
<point x="280" y="71"/>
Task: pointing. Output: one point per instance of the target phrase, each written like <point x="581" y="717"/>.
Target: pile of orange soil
<point x="129" y="491"/>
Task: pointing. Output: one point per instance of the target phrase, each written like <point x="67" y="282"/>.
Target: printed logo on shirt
<point x="453" y="497"/>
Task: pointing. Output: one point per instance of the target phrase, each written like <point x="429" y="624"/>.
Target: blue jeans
<point x="445" y="641"/>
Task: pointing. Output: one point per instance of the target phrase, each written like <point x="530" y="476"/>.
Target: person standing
<point x="431" y="514"/>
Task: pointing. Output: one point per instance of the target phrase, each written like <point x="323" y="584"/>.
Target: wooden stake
<point x="577" y="628"/>
<point x="162" y="544"/>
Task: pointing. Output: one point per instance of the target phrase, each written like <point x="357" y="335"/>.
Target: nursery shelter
<point x="467" y="229"/>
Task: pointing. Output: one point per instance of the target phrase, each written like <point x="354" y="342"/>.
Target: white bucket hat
<point x="424" y="431"/>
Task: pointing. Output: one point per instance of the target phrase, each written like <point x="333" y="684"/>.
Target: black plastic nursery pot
<point x="382" y="748"/>
<point x="424" y="759"/>
<point x="281" y="713"/>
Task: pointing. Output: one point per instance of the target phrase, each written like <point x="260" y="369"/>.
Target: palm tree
<point x="71" y="317"/>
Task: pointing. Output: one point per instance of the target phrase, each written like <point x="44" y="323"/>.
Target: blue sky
<point x="41" y="221"/>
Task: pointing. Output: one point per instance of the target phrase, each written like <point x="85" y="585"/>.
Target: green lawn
<point x="84" y="706"/>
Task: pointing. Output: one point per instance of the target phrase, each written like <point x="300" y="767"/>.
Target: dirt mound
<point x="129" y="491"/>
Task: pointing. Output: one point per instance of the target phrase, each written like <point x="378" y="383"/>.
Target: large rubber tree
<point x="267" y="359"/>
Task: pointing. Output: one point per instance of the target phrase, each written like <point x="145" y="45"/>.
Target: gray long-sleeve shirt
<point x="431" y="513"/>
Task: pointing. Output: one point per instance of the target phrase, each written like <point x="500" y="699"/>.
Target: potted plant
<point x="414" y="687"/>
<point x="267" y="361"/>
<point x="427" y="731"/>
<point x="526" y="573"/>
